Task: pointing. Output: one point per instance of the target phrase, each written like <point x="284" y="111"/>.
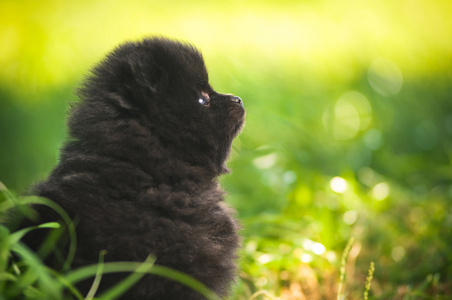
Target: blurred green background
<point x="348" y="134"/>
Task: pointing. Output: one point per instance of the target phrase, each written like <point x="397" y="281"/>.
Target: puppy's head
<point x="165" y="83"/>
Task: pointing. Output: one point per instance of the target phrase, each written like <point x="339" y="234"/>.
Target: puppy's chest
<point x="184" y="204"/>
<point x="204" y="212"/>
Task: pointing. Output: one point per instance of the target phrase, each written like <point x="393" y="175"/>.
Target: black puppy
<point x="139" y="172"/>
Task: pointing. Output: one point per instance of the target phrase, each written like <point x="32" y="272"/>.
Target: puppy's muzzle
<point x="237" y="100"/>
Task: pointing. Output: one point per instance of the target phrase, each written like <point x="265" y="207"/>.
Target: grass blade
<point x="98" y="277"/>
<point x="369" y="280"/>
<point x="343" y="265"/>
<point x="144" y="268"/>
<point x="36" y="272"/>
<point x="127" y="283"/>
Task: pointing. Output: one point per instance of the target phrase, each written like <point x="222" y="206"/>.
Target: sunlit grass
<point x="344" y="259"/>
<point x="369" y="280"/>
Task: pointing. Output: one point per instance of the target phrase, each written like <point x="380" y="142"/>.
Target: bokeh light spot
<point x="338" y="184"/>
<point x="367" y="176"/>
<point x="318" y="248"/>
<point x="331" y="256"/>
<point x="385" y="77"/>
<point x="265" y="258"/>
<point x="261" y="281"/>
<point x="380" y="191"/>
<point x="398" y="253"/>
<point x="350" y="217"/>
<point x="351" y="114"/>
<point x="289" y="177"/>
<point x="265" y="162"/>
<point x="306" y="258"/>
<point x="346" y="120"/>
<point x="308" y="244"/>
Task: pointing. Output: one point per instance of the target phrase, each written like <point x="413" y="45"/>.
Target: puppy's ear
<point x="138" y="81"/>
<point x="128" y="78"/>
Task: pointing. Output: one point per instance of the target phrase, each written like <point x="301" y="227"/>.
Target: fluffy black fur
<point x="139" y="172"/>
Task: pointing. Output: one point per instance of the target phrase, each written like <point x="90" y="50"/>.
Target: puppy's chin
<point x="234" y="116"/>
<point x="238" y="114"/>
<point x="237" y="110"/>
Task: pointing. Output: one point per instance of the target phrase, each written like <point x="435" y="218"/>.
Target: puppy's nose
<point x="237" y="100"/>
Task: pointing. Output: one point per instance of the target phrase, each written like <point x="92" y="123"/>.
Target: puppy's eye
<point x="204" y="99"/>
